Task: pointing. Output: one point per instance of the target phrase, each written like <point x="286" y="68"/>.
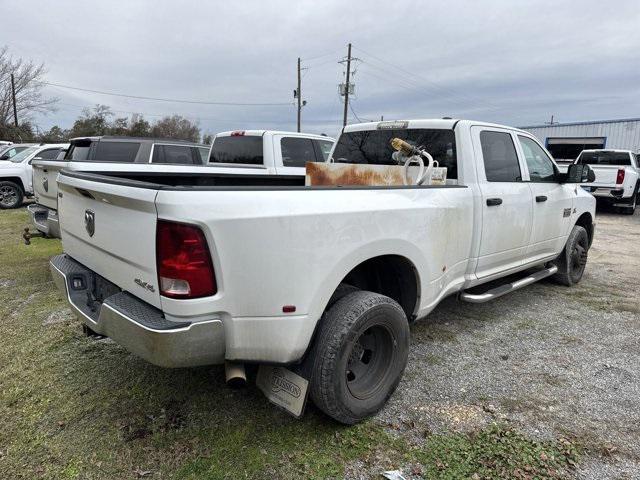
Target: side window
<point x="175" y="154"/>
<point x="49" y="154"/>
<point x="538" y="162"/>
<point x="296" y="152"/>
<point x="500" y="158"/>
<point x="324" y="147"/>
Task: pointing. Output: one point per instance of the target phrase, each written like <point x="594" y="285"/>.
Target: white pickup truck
<point x="233" y="153"/>
<point x="617" y="177"/>
<point x="184" y="270"/>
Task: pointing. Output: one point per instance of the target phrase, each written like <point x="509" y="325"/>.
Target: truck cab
<point x="275" y="152"/>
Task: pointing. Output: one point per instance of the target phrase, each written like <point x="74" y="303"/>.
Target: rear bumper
<point x="45" y="220"/>
<point x="136" y="325"/>
<point x="617" y="196"/>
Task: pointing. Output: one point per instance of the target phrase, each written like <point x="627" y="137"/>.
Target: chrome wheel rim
<point x="8" y="196"/>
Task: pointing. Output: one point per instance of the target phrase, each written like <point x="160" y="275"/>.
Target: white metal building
<point x="566" y="140"/>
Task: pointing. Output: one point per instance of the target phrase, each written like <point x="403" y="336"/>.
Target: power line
<point x="434" y="85"/>
<point x="323" y="55"/>
<point x="173" y="100"/>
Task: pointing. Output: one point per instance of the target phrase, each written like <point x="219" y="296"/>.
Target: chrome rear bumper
<point x="45" y="220"/>
<point x="136" y="325"/>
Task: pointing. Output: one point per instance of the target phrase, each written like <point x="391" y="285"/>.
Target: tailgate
<point x="111" y="229"/>
<point x="605" y="175"/>
<point x="45" y="188"/>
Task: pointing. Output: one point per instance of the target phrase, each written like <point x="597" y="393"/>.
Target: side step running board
<point x="508" y="287"/>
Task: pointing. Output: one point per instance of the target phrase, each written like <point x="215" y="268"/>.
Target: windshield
<point x="19" y="157"/>
<point x="374" y="147"/>
<point x="604" y="158"/>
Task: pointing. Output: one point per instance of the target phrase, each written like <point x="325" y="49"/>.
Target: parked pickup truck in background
<point x="187" y="270"/>
<point x="617" y="177"/>
<point x="104" y="153"/>
<point x="279" y="153"/>
<point x="16" y="172"/>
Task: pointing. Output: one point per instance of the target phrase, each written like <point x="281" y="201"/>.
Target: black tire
<point x="343" y="290"/>
<point x="11" y="195"/>
<point x="573" y="259"/>
<point x="631" y="209"/>
<point x="359" y="356"/>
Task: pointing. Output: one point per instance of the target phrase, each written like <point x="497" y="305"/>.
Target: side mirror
<point x="579" y="174"/>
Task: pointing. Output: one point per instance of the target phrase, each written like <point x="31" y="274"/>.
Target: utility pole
<point x="299" y="95"/>
<point x="13" y="96"/>
<point x="347" y="86"/>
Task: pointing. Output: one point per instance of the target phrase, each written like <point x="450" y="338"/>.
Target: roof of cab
<point x="435" y="123"/>
<point x="259" y="133"/>
<point x="136" y="139"/>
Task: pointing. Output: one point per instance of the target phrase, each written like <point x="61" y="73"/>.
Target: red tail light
<point x="620" y="176"/>
<point x="184" y="263"/>
<point x="238" y="133"/>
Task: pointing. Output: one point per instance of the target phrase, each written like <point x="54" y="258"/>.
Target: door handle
<point x="492" y="202"/>
<point x="541" y="198"/>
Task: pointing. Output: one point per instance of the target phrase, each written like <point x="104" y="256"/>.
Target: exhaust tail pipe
<point x="235" y="375"/>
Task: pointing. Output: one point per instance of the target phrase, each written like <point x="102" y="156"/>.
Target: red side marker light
<point x="288" y="308"/>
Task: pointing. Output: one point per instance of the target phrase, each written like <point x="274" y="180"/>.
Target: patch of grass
<point x="496" y="452"/>
<point x="72" y="407"/>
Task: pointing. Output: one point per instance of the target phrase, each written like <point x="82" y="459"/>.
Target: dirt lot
<point x="541" y="383"/>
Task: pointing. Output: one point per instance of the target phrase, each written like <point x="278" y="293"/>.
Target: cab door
<point x="505" y="203"/>
<point x="552" y="202"/>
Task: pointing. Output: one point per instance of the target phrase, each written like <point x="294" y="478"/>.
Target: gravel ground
<point x="550" y="360"/>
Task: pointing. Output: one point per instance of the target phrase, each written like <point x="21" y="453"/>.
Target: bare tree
<point x="28" y="78"/>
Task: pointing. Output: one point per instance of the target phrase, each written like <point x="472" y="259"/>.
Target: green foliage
<point x="21" y="133"/>
<point x="54" y="135"/>
<point x="495" y="452"/>
<point x="176" y="127"/>
<point x="98" y="121"/>
<point x="92" y="122"/>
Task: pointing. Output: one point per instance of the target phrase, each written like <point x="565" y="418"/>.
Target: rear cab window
<point x="373" y="146"/>
<point x="619" y="159"/>
<point x="237" y="149"/>
<point x="121" y="152"/>
<point x="102" y="151"/>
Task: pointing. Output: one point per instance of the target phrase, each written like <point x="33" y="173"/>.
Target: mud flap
<point x="283" y="388"/>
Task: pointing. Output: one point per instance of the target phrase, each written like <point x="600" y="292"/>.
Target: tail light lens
<point x="184" y="263"/>
<point x="620" y="176"/>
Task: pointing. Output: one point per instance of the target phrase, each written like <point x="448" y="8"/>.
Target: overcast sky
<point x="510" y="62"/>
